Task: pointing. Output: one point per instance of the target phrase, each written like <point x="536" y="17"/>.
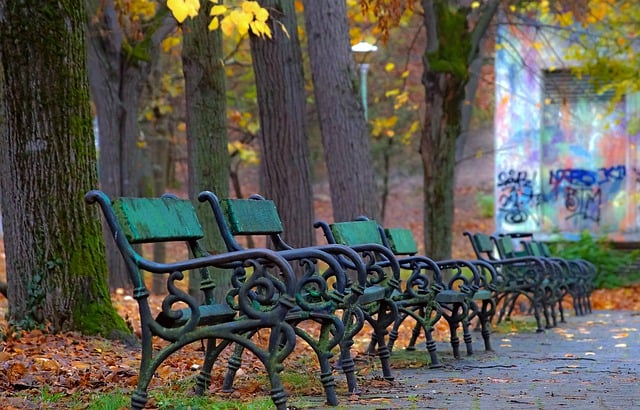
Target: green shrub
<point x="613" y="264"/>
<point x="484" y="203"/>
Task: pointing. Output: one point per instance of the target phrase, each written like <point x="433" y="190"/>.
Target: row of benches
<point x="355" y="278"/>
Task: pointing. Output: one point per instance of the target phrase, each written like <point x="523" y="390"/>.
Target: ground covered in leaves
<point x="39" y="370"/>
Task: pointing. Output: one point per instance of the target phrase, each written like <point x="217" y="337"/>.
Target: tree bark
<point x="55" y="261"/>
<point x="285" y="164"/>
<point x="117" y="77"/>
<point x="450" y="50"/>
<point x="202" y="60"/>
<point x="343" y="126"/>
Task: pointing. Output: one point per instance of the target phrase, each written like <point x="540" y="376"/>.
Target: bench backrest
<point x="157" y="219"/>
<point x="355" y="233"/>
<point x="251" y="216"/>
<point x="401" y="241"/>
<point x="506" y="248"/>
<point x="482" y="245"/>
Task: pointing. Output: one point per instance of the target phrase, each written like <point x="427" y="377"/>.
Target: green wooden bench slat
<point x="401" y="241"/>
<point x="251" y="217"/>
<point x="209" y="315"/>
<point x="356" y="233"/>
<point x="483" y="242"/>
<point x="482" y="294"/>
<point x="157" y="219"/>
<point x="450" y="296"/>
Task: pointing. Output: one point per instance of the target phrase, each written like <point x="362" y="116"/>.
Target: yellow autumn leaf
<point x="392" y="92"/>
<point x="389" y="67"/>
<point x="242" y="21"/>
<point x="405" y="74"/>
<point x="566" y="19"/>
<point x="475" y="4"/>
<point x="218" y="10"/>
<point x="262" y="15"/>
<point x="537" y="45"/>
<point x="226" y="25"/>
<point x="250" y="7"/>
<point x="169" y="42"/>
<point x="181" y="9"/>
<point x="214" y="24"/>
<point x="598" y="11"/>
<point x="260" y="28"/>
<point x="237" y="16"/>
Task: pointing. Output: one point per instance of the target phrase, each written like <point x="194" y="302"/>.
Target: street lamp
<point x="362" y="51"/>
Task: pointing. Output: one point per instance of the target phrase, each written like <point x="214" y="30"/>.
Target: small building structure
<point x="566" y="158"/>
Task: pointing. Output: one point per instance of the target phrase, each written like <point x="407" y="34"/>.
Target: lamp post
<point x="362" y="51"/>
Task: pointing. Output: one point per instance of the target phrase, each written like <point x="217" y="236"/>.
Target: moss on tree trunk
<point x="56" y="270"/>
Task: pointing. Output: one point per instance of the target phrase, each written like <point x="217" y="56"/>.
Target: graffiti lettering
<point x="585" y="177"/>
<point x="516" y="196"/>
<point x="512" y="177"/>
<point x="583" y="203"/>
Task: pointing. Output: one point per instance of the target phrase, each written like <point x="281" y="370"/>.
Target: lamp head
<point x="362" y="51"/>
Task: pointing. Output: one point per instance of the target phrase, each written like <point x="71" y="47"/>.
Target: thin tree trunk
<point x="285" y="165"/>
<point x="437" y="149"/>
<point x="104" y="58"/>
<point x="446" y="74"/>
<point x="55" y="262"/>
<point x="117" y="79"/>
<point x="343" y="126"/>
<point x="202" y="60"/>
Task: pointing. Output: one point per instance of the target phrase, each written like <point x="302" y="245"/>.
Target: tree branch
<point x="481" y="27"/>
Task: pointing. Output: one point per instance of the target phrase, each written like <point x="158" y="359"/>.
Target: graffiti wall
<point x="566" y="158"/>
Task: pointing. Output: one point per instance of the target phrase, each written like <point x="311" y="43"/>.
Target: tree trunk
<point x="450" y="50"/>
<point x="105" y="59"/>
<point x="117" y="77"/>
<point x="438" y="149"/>
<point x="342" y="123"/>
<point x="54" y="256"/>
<point x="285" y="169"/>
<point x="205" y="89"/>
<point x="444" y="78"/>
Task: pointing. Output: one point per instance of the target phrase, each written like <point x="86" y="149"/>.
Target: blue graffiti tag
<point x="583" y="203"/>
<point x="516" y="196"/>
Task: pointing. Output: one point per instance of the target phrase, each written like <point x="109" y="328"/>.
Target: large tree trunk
<point x="285" y="168"/>
<point x="55" y="261"/>
<point x="202" y="60"/>
<point x="342" y="123"/>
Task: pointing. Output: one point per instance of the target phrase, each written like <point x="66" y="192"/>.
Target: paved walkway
<point x="589" y="362"/>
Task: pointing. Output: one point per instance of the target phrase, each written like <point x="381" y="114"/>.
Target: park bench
<point x="524" y="276"/>
<point x="262" y="292"/>
<point x="425" y="298"/>
<point x="341" y="288"/>
<point x="554" y="279"/>
<point x="480" y="295"/>
<point x="578" y="274"/>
